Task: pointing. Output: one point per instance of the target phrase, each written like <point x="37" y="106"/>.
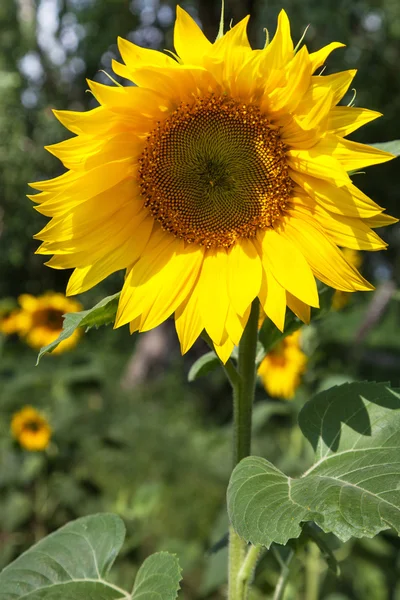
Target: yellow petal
<point x="280" y="50"/>
<point x="96" y="121"/>
<point x="298" y="81"/>
<point x="234" y="38"/>
<point x="299" y="308"/>
<point x="133" y="99"/>
<point x="344" y="231"/>
<point x="86" y="252"/>
<point x="273" y="299"/>
<point x="338" y="83"/>
<point x="188" y="321"/>
<point x="89" y="215"/>
<point x="122" y="256"/>
<point x="352" y="155"/>
<point x="313" y="162"/>
<point x="87" y="185"/>
<point x="343" y="120"/>
<point x="74" y="152"/>
<point x="159" y="282"/>
<point x="190" y="42"/>
<point x="319" y="111"/>
<point x="101" y="239"/>
<point x="347" y="200"/>
<point x="381" y="220"/>
<point x="121" y="70"/>
<point x="244" y="274"/>
<point x="174" y="285"/>
<point x="135" y="56"/>
<point x="324" y="258"/>
<point x="224" y="350"/>
<point x="318" y="58"/>
<point x="213" y="294"/>
<point x="288" y="266"/>
<point x="235" y="324"/>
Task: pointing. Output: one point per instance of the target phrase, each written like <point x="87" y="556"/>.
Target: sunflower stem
<point x="243" y="393"/>
<point x="243" y="396"/>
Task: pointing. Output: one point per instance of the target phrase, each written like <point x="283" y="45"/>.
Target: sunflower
<point x="281" y="369"/>
<point x="30" y="428"/>
<point x="220" y="177"/>
<point x="40" y="320"/>
<point x="340" y="299"/>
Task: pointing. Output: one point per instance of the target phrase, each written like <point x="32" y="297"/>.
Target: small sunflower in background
<point x="39" y="321"/>
<point x="31" y="429"/>
<point x="221" y="176"/>
<point x="282" y="368"/>
<point x="341" y="299"/>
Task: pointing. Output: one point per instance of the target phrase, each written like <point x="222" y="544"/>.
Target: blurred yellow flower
<point x="9" y="323"/>
<point x="340" y="298"/>
<point x="281" y="370"/>
<point x="220" y="177"/>
<point x="39" y="321"/>
<point x="30" y="428"/>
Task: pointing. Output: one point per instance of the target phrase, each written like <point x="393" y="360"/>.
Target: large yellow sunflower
<point x="220" y="177"/>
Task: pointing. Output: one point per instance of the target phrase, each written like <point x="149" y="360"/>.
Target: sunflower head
<point x="40" y="320"/>
<point x="30" y="428"/>
<point x="221" y="176"/>
<point x="282" y="368"/>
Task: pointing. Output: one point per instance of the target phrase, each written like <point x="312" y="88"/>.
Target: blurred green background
<point x="130" y="434"/>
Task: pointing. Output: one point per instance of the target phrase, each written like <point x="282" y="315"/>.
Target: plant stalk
<point x="243" y="397"/>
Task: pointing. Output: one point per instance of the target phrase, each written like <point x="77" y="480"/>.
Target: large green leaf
<point x="73" y="564"/>
<point x="158" y="578"/>
<point x="102" y="313"/>
<point x="70" y="563"/>
<point x="352" y="489"/>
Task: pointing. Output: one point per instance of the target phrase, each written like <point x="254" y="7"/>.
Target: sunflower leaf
<point x="158" y="577"/>
<point x="203" y="365"/>
<point x="73" y="563"/>
<point x="353" y="488"/>
<point x="393" y="147"/>
<point x="102" y="313"/>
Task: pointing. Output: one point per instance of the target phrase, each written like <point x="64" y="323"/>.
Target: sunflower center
<point x="32" y="425"/>
<point x="50" y="318"/>
<point x="215" y="171"/>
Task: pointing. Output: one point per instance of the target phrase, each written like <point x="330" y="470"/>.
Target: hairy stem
<point x="243" y="397"/>
<point x="246" y="571"/>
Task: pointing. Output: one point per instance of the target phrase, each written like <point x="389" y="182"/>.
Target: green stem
<point x="243" y="396"/>
<point x="237" y="553"/>
<point x="312" y="572"/>
<point x="246" y="572"/>
<point x="284" y="576"/>
<point x="243" y="392"/>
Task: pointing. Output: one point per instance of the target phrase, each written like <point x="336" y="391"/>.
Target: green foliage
<point x="351" y="489"/>
<point x="102" y="314"/>
<point x="203" y="365"/>
<point x="158" y="577"/>
<point x="393" y="147"/>
<point x="73" y="563"/>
